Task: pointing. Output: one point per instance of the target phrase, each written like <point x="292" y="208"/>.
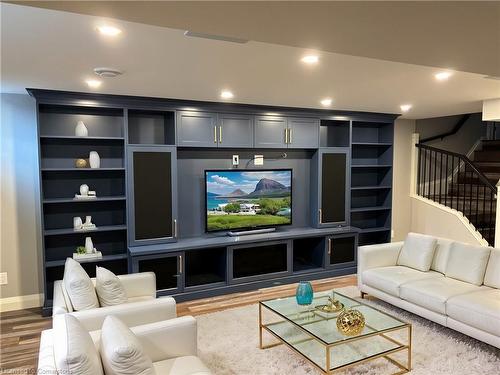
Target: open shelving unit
<point x="60" y="181"/>
<point x="371" y="180"/>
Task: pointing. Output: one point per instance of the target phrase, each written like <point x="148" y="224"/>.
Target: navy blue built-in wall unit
<point x="150" y="205"/>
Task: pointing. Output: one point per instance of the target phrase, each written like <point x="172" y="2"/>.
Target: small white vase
<point x="84" y="189"/>
<point x="81" y="130"/>
<point x="94" y="159"/>
<point x="77" y="222"/>
<point x="88" y="220"/>
<point x="89" y="246"/>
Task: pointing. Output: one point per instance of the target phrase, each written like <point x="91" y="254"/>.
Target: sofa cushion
<point x="417" y="252"/>
<point x="467" y="262"/>
<point x="389" y="279"/>
<point x="188" y="365"/>
<point x="492" y="275"/>
<point x="432" y="294"/>
<point x="74" y="350"/>
<point x="109" y="288"/>
<point x="121" y="351"/>
<point x="441" y="255"/>
<point x="480" y="310"/>
<point x="79" y="287"/>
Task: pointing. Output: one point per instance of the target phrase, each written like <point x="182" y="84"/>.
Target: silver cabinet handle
<point x="290" y="136"/>
<point x="220" y="134"/>
<point x="175" y="228"/>
<point x="320" y="215"/>
<point x="215" y="134"/>
<point x="180" y="264"/>
<point x="286" y="136"/>
<point x="329" y="246"/>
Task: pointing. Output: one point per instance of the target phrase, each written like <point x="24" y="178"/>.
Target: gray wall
<point x="20" y="247"/>
<point x="462" y="141"/>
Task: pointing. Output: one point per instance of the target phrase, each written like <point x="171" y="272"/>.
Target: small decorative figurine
<point x="350" y="322"/>
<point x="81" y="130"/>
<point x="81" y="163"/>
<point x="94" y="160"/>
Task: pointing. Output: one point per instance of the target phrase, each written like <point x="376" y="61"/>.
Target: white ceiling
<point x="58" y="50"/>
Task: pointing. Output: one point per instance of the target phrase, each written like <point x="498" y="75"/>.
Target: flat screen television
<point x="247" y="199"/>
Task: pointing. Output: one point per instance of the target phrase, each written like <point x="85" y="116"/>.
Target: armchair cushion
<point x="441" y="254"/>
<point x="492" y="276"/>
<point x="188" y="365"/>
<point x="79" y="287"/>
<point x="121" y="352"/>
<point x="74" y="350"/>
<point x="467" y="262"/>
<point x="417" y="252"/>
<point x="109" y="288"/>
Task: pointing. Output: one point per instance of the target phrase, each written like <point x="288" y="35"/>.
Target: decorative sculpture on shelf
<point x="94" y="160"/>
<point x="85" y="193"/>
<point x="81" y="163"/>
<point x="81" y="130"/>
<point x="89" y="246"/>
<point x="350" y="322"/>
<point x="332" y="306"/>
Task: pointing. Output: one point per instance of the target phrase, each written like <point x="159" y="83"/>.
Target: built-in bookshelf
<point x="371" y="180"/>
<point x="60" y="178"/>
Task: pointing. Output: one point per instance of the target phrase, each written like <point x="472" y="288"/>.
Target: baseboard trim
<point x="21" y="302"/>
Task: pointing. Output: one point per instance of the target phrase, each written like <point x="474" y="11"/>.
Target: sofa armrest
<point x="132" y="314"/>
<point x="380" y="255"/>
<point x="46" y="359"/>
<point x="59" y="305"/>
<point x="169" y="339"/>
<point x="141" y="284"/>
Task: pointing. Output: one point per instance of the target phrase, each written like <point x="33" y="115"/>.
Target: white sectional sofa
<point x="451" y="283"/>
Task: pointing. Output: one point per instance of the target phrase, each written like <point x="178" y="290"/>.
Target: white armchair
<point x="171" y="345"/>
<point x="142" y="306"/>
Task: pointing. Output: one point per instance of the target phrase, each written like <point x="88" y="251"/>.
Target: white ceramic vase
<point x="89" y="246"/>
<point x="84" y="189"/>
<point x="81" y="130"/>
<point x="77" y="222"/>
<point x="94" y="160"/>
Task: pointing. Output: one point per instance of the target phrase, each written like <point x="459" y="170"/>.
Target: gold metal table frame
<point x="403" y="368"/>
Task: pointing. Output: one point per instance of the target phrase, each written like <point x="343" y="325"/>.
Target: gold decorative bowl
<point x="81" y="163"/>
<point x="350" y="322"/>
<point x="336" y="306"/>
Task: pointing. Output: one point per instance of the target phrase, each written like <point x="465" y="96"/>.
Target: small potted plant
<point x="81" y="250"/>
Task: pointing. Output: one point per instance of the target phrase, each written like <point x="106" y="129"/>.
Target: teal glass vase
<point x="304" y="293"/>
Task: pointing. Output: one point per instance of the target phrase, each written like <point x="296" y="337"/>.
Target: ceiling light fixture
<point x="326" y="102"/>
<point x="109" y="30"/>
<point x="93" y="83"/>
<point x="443" y="76"/>
<point x="405" y="107"/>
<point x="226" y="94"/>
<point x="310" y="59"/>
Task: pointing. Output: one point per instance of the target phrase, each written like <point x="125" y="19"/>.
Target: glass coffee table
<point x="314" y="335"/>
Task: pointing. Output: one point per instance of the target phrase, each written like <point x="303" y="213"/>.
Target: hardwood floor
<point x="20" y="330"/>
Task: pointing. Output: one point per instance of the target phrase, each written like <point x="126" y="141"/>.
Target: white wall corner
<point x="21" y="302"/>
<point x="491" y="110"/>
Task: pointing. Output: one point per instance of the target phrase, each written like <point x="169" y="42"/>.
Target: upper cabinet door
<point x="197" y="129"/>
<point x="270" y="132"/>
<point x="235" y="130"/>
<point x="303" y="132"/>
<point x="152" y="186"/>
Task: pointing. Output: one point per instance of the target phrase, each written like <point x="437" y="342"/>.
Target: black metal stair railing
<point x="453" y="180"/>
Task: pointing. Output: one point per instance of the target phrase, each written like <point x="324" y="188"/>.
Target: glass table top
<point x="322" y="325"/>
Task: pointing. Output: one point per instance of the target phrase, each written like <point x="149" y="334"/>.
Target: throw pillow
<point x="79" y="287"/>
<point x="467" y="262"/>
<point x="417" y="252"/>
<point x="74" y="350"/>
<point x="109" y="288"/>
<point x="121" y="351"/>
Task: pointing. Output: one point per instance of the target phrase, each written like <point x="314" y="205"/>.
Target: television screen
<point x="246" y="199"/>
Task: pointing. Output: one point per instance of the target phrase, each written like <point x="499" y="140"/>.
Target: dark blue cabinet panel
<point x="197" y="129"/>
<point x="235" y="130"/>
<point x="270" y="132"/>
<point x="303" y="132"/>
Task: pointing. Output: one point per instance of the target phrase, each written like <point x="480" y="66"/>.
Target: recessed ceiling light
<point x="326" y="102"/>
<point x="226" y="94"/>
<point x="109" y="30"/>
<point x="443" y="76"/>
<point x="405" y="107"/>
<point x="310" y="59"/>
<point x="93" y="83"/>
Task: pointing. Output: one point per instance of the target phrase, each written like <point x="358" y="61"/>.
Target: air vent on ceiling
<point x="107" y="72"/>
<point x="215" y="37"/>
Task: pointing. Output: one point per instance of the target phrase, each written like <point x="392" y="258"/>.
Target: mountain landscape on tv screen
<point x="245" y="201"/>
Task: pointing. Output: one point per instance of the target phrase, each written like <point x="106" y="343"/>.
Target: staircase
<point x="467" y="186"/>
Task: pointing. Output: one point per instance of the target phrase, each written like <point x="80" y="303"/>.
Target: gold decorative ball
<point x="81" y="163"/>
<point x="350" y="322"/>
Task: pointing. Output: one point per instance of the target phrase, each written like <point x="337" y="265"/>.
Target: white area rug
<point x="228" y="344"/>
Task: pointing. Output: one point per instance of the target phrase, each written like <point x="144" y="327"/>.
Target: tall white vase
<point x="94" y="160"/>
<point x="89" y="246"/>
<point x="81" y="130"/>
